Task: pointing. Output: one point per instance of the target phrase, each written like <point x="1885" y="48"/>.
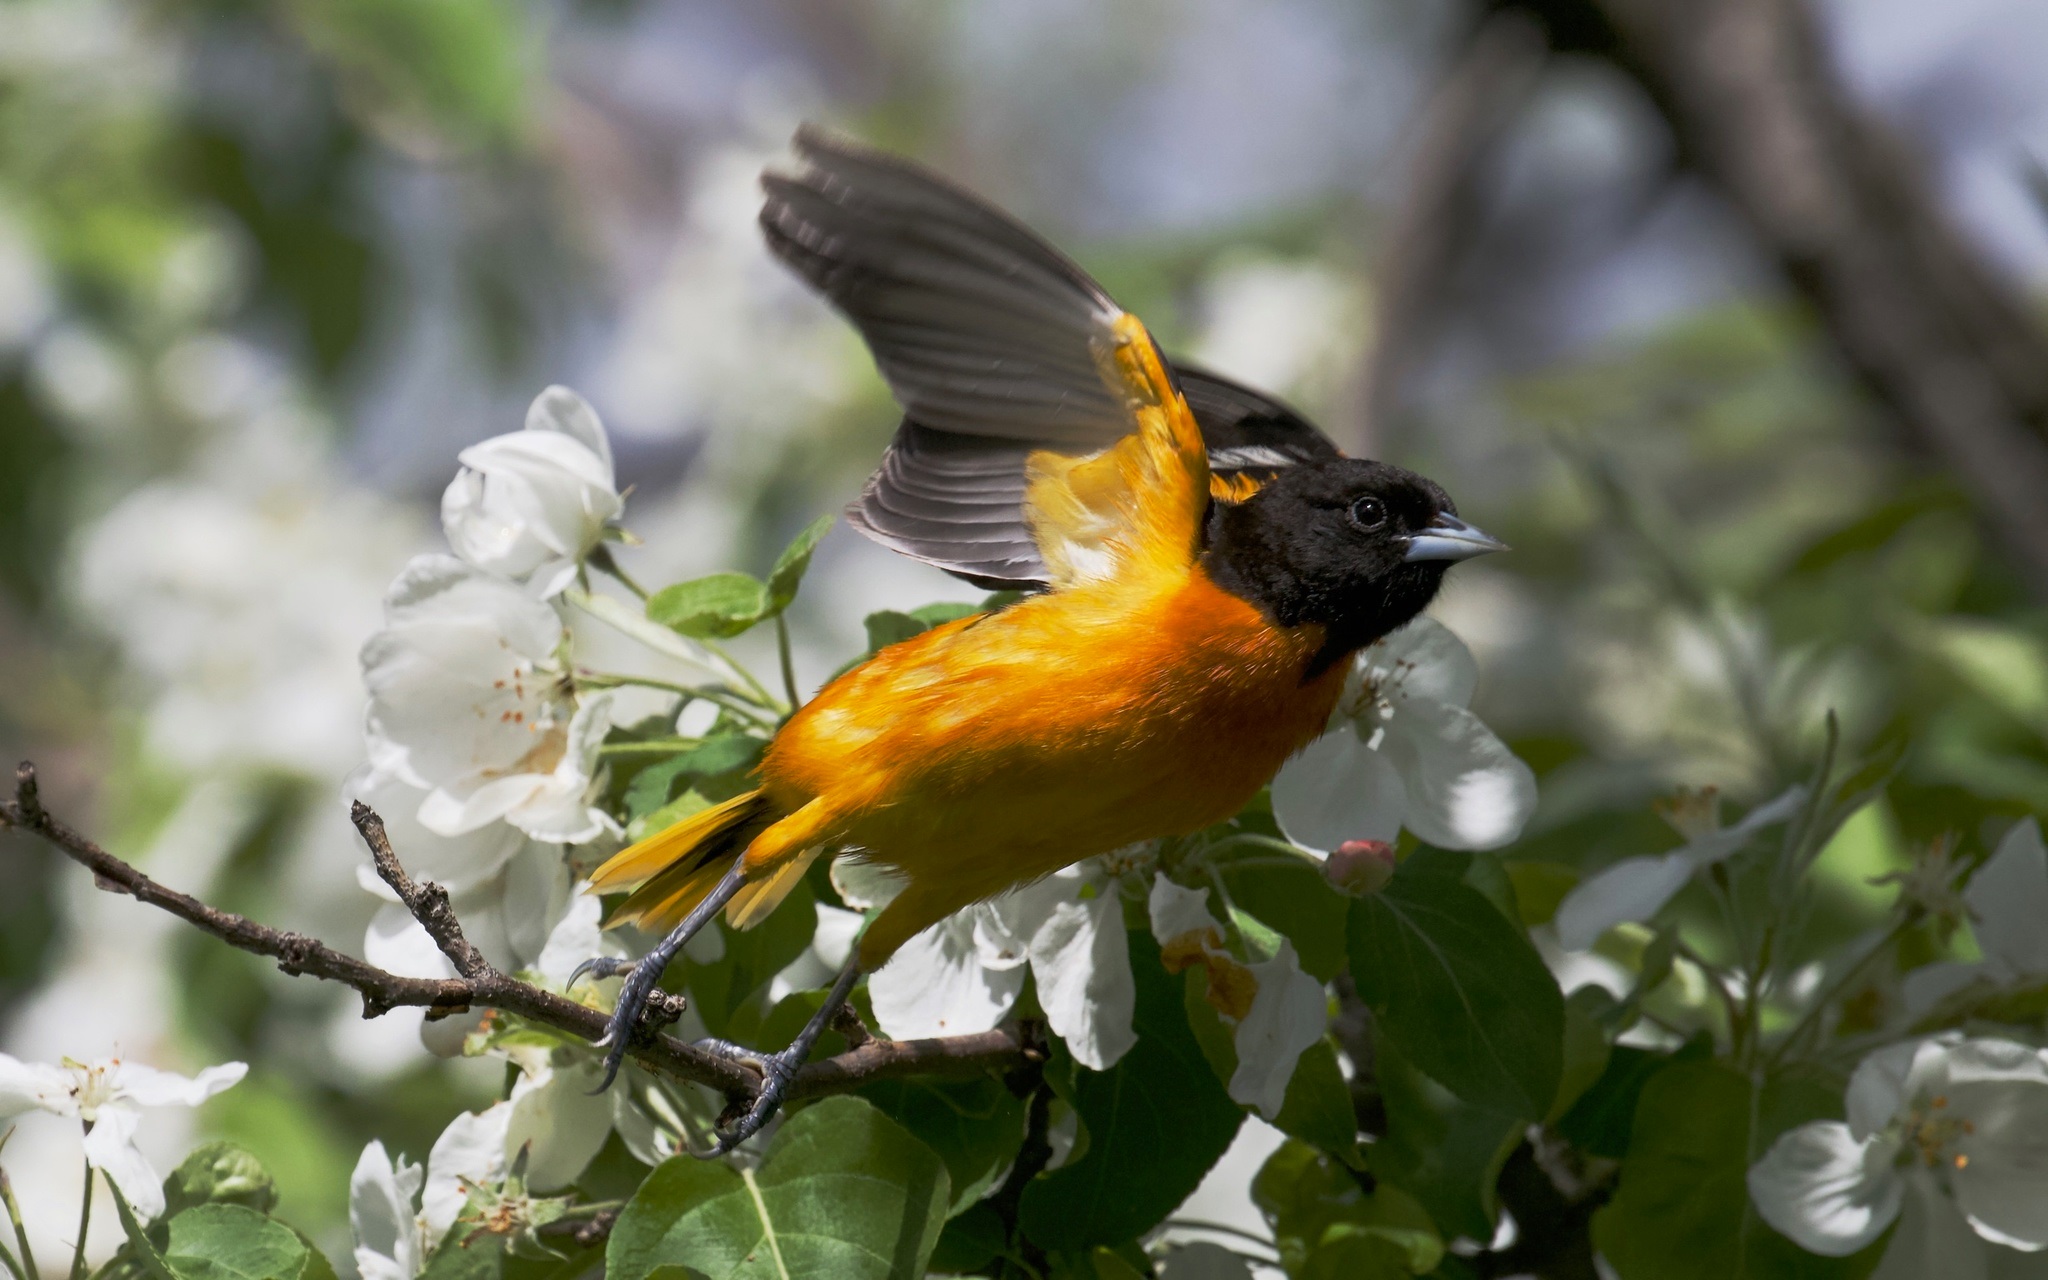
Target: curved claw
<point x="598" y="967"/>
<point x="778" y="1070"/>
<point x="618" y="1032"/>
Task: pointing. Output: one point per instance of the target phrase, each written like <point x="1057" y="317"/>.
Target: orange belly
<point x="990" y="752"/>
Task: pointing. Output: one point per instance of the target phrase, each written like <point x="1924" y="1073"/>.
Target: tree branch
<point x="483" y="986"/>
<point x="1486" y="84"/>
<point x="1949" y="348"/>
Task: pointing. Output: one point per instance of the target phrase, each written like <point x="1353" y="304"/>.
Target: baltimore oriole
<point x="1204" y="561"/>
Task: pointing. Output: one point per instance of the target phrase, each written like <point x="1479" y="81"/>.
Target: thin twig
<point x="483" y="986"/>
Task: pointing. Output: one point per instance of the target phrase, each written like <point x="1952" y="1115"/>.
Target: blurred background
<point x="266" y="267"/>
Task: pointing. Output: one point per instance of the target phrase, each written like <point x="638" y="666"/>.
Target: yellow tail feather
<point x="672" y="870"/>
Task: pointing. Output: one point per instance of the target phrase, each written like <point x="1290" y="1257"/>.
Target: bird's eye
<point x="1369" y="514"/>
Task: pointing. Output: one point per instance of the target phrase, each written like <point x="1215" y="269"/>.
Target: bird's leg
<point x="778" y="1070"/>
<point x="643" y="974"/>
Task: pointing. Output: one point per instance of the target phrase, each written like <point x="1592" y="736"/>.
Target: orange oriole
<point x="1204" y="560"/>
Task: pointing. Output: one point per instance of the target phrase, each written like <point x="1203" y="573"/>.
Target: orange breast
<point x="989" y="752"/>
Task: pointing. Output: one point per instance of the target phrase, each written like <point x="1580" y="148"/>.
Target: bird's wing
<point x="1019" y="377"/>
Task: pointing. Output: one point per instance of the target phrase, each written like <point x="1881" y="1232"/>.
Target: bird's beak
<point x="1449" y="538"/>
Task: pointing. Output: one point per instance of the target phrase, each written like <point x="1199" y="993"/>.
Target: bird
<point x="1198" y="564"/>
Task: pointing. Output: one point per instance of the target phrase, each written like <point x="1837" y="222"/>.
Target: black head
<point x="1358" y="547"/>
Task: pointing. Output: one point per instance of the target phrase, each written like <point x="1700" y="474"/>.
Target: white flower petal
<point x="470" y="1152"/>
<point x="455" y="862"/>
<point x="833" y="941"/>
<point x="1423" y="659"/>
<point x="575" y="938"/>
<point x="531" y="504"/>
<point x="30" y="1086"/>
<point x="1338" y="789"/>
<point x="1178" y="912"/>
<point x="110" y="1148"/>
<point x="461" y="682"/>
<point x="1715" y="846"/>
<point x="1999" y="1172"/>
<point x="1633" y="889"/>
<point x="1828" y="1192"/>
<point x="1466" y="790"/>
<point x="1886" y="1081"/>
<point x="2009" y="898"/>
<point x="560" y="1113"/>
<point x="560" y="409"/>
<point x="149" y="1087"/>
<point x="1930" y="984"/>
<point x="1932" y="1242"/>
<point x="1289" y="1014"/>
<point x="936" y="985"/>
<point x="381" y="1215"/>
<point x="1081" y="959"/>
<point x="865" y="885"/>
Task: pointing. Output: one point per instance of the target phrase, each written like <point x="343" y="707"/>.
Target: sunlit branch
<point x="480" y="985"/>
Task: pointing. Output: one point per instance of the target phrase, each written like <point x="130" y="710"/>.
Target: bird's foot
<point x="642" y="1008"/>
<point x="747" y="1116"/>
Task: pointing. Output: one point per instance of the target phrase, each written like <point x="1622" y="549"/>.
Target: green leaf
<point x="1444" y="1151"/>
<point x="887" y="627"/>
<point x="975" y="1126"/>
<point x="468" y="1253"/>
<point x="1291" y="897"/>
<point x="219" y="1173"/>
<point x="1318" y="1107"/>
<point x="731" y="993"/>
<point x="1325" y="1220"/>
<point x="1600" y="1122"/>
<point x="1586" y="1047"/>
<point x="717" y="607"/>
<point x="1458" y="987"/>
<point x="715" y="756"/>
<point x="970" y="1241"/>
<point x="843" y="1194"/>
<point x="1682" y="1211"/>
<point x="788" y="572"/>
<point x="1156" y="1122"/>
<point x="229" y="1242"/>
<point x="139" y="1249"/>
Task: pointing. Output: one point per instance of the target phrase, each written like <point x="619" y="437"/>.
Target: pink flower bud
<point x="1360" y="867"/>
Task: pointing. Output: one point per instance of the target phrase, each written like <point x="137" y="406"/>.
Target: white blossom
<point x="2008" y="901"/>
<point x="469" y="703"/>
<point x="962" y="975"/>
<point x="1403" y="751"/>
<point x="381" y="1194"/>
<point x="109" y="1096"/>
<point x="1275" y="1010"/>
<point x="532" y="504"/>
<point x="1953" y="1134"/>
<point x="1634" y="889"/>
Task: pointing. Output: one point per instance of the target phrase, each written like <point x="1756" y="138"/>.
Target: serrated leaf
<point x="975" y="1126"/>
<point x="790" y="566"/>
<point x="718" y="607"/>
<point x="844" y="1193"/>
<point x="1156" y="1121"/>
<point x="1682" y="1211"/>
<point x="229" y="1242"/>
<point x="1458" y="987"/>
